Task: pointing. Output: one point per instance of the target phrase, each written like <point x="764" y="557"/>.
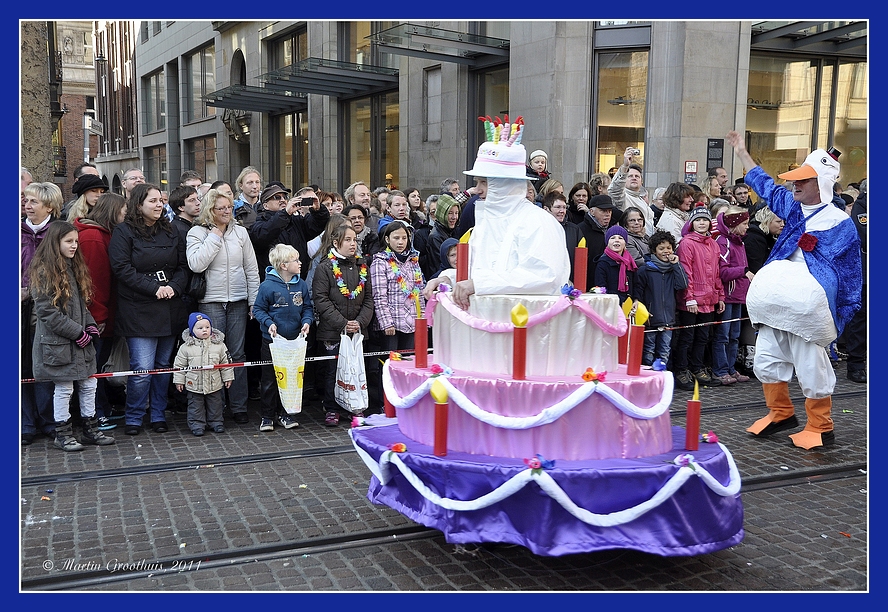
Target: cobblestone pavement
<point x="287" y="511"/>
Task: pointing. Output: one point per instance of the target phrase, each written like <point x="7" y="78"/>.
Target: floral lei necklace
<point x="401" y="278"/>
<point x="340" y="282"/>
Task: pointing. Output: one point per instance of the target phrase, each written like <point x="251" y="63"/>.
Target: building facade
<point x="396" y="103"/>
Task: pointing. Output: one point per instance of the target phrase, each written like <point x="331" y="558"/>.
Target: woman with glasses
<point x="637" y="240"/>
<point x="148" y="260"/>
<point x="221" y="248"/>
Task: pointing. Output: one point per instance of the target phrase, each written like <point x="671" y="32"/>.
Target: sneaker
<point x="287" y="421"/>
<point x="241" y="418"/>
<point x="266" y="425"/>
<point x="105" y="424"/>
<point x="684" y="380"/>
<point x="218" y="428"/>
<point x="726" y="379"/>
<point x="705" y="378"/>
<point x="197" y="432"/>
<point x="740" y="377"/>
<point x="254" y="394"/>
<point x="332" y="419"/>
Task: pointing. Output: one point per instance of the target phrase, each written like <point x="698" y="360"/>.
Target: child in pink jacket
<point x="699" y="303"/>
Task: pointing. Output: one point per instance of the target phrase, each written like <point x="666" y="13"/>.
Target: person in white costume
<point x="803" y="296"/>
<point x="512" y="248"/>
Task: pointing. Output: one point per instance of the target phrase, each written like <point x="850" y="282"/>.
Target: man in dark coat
<point x="593" y="226"/>
<point x="279" y="222"/>
<point x="855" y="333"/>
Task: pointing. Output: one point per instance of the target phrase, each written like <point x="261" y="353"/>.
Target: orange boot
<point x="819" y="429"/>
<point x="782" y="412"/>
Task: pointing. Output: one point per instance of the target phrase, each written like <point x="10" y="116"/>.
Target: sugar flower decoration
<point x="357" y="422"/>
<point x="710" y="437"/>
<point x="597" y="290"/>
<point x="539" y="463"/>
<point x="589" y="375"/>
<point x="659" y="365"/>
<point x="685" y="460"/>
<point x="807" y="242"/>
<point x="394" y="356"/>
<point x="439" y="370"/>
<point x="570" y="291"/>
<point x="398" y="447"/>
<point x="444" y="288"/>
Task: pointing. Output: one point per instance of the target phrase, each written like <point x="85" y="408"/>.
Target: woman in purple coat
<point x="735" y="276"/>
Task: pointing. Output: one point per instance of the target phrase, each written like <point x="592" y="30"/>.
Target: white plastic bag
<point x="288" y="358"/>
<point x="350" y="390"/>
<point x="118" y="361"/>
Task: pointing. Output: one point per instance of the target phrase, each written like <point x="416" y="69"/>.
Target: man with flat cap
<point x="804" y="295"/>
<point x="279" y="222"/>
<point x="595" y="222"/>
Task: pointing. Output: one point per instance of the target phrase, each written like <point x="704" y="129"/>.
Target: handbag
<point x="288" y="359"/>
<point x="350" y="390"/>
<point x="197" y="285"/>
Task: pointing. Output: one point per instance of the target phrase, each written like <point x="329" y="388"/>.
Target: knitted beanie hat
<point x="616" y="230"/>
<point x="194" y="317"/>
<point x="539" y="153"/>
<point x="445" y="203"/>
<point x="732" y="220"/>
<point x="87" y="182"/>
<point x="700" y="212"/>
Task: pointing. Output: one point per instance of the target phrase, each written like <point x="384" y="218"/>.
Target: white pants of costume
<point x="777" y="352"/>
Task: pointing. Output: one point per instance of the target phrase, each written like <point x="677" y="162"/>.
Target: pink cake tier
<point x="556" y="417"/>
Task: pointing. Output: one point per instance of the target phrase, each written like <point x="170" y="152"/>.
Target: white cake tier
<point x="576" y="335"/>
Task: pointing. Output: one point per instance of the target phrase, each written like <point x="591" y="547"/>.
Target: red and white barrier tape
<point x="244" y="364"/>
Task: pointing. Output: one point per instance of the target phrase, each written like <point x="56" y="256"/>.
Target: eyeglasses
<point x="279" y="196"/>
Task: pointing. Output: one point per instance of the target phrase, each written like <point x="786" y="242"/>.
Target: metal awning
<point x="442" y="45"/>
<point x="331" y="78"/>
<point x="259" y="99"/>
<point x="845" y="38"/>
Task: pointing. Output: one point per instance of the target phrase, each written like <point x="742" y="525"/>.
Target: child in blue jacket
<point x="283" y="307"/>
<point x="655" y="285"/>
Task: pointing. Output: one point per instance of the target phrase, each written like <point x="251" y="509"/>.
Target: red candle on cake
<point x="439" y="394"/>
<point x="462" y="257"/>
<point x="389" y="408"/>
<point x="519" y="342"/>
<point x="421" y="337"/>
<point x="581" y="261"/>
<point x="692" y="426"/>
<point x="637" y="318"/>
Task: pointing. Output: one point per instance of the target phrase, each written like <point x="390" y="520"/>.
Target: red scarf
<point x="626" y="261"/>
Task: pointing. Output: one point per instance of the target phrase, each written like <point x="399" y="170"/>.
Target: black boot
<point x="65" y="439"/>
<point x="92" y="434"/>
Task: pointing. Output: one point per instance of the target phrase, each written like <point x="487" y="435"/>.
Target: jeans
<point x="148" y="354"/>
<point x="271" y="397"/>
<point x="61" y="399"/>
<point x="231" y="319"/>
<point x="329" y="376"/>
<point x="657" y="345"/>
<point x="692" y="341"/>
<point x="36" y="409"/>
<point x="727" y="341"/>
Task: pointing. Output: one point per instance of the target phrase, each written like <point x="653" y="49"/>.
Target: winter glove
<point x="83" y="340"/>
<point x="92" y="330"/>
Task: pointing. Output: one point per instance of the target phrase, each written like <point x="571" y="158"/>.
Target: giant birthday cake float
<point x="565" y="447"/>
